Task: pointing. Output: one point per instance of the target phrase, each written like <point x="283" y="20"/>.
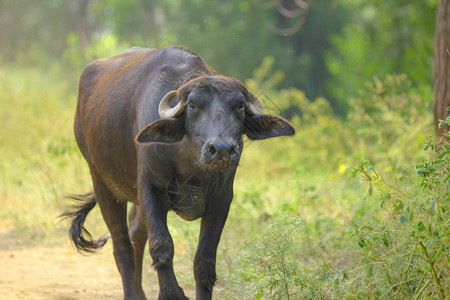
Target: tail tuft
<point x="81" y="238"/>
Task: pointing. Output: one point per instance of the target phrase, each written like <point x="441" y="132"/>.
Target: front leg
<point x="205" y="258"/>
<point x="160" y="243"/>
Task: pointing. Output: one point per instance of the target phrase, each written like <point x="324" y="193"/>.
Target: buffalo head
<point x="212" y="114"/>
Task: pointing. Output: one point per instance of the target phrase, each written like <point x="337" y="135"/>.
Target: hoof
<point x="173" y="295"/>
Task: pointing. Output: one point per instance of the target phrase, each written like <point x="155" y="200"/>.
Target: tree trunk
<point x="442" y="66"/>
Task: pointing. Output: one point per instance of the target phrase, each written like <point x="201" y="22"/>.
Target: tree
<point x="442" y="66"/>
<point x="384" y="37"/>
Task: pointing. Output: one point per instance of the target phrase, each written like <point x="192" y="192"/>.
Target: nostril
<point x="233" y="152"/>
<point x="212" y="150"/>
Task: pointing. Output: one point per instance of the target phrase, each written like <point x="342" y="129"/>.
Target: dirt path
<point x="57" y="273"/>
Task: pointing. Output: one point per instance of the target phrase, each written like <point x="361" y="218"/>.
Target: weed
<point x="404" y="246"/>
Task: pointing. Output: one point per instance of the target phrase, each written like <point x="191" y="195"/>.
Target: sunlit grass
<point x="39" y="159"/>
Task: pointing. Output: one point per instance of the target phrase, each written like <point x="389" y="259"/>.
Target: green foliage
<point x="235" y="36"/>
<point x="275" y="261"/>
<point x="223" y="33"/>
<point x="265" y="81"/>
<point x="340" y="46"/>
<point x="383" y="38"/>
<point x="105" y="45"/>
<point x="389" y="113"/>
<point x="40" y="161"/>
<point x="445" y="122"/>
<point x="130" y="21"/>
<point x="386" y="115"/>
<point x="404" y="245"/>
<point x="34" y="32"/>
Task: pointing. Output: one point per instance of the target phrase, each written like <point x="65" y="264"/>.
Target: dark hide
<point x="186" y="164"/>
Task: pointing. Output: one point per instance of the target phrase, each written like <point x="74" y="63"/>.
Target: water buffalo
<point x="160" y="129"/>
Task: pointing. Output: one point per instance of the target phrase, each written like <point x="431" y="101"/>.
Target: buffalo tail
<point x="81" y="238"/>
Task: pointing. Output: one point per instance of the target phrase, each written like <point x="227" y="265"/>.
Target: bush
<point x="404" y="244"/>
<point x="388" y="121"/>
<point x="275" y="261"/>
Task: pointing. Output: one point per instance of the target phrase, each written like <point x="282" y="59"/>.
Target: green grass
<point x="302" y="224"/>
<point x="40" y="162"/>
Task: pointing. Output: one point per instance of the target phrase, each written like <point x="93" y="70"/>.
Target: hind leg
<point x="115" y="216"/>
<point x="138" y="235"/>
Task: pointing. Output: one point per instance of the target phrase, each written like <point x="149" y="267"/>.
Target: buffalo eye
<point x="241" y="105"/>
<point x="191" y="105"/>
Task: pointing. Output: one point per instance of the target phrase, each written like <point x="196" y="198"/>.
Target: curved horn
<point x="254" y="106"/>
<point x="164" y="109"/>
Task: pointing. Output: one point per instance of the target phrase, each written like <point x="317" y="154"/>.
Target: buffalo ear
<point x="261" y="127"/>
<point x="166" y="131"/>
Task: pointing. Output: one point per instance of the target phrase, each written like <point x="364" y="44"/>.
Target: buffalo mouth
<point x="219" y="165"/>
